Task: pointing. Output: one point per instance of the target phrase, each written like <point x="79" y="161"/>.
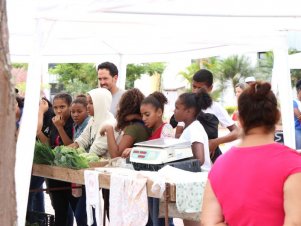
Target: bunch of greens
<point x="70" y="158"/>
<point x="43" y="154"/>
<point x="91" y="157"/>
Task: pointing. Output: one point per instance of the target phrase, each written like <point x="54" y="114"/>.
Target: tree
<point x="212" y="64"/>
<point x="134" y="71"/>
<point x="76" y="78"/>
<point x="20" y="65"/>
<point x="265" y="66"/>
<point x="234" y="68"/>
<point x="295" y="73"/>
<point x="8" y="214"/>
<point x="190" y="71"/>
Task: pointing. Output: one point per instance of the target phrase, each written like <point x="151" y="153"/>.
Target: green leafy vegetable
<point x="91" y="157"/>
<point x="43" y="154"/>
<point x="69" y="157"/>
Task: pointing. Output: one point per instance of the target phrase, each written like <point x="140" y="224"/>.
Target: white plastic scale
<point x="160" y="151"/>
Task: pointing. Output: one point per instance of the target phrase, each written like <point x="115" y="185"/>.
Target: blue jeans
<point x="153" y="219"/>
<point x="298" y="138"/>
<point x="36" y="199"/>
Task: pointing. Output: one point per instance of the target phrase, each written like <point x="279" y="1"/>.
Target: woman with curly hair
<point x="131" y="132"/>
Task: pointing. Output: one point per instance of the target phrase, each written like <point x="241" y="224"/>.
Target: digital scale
<point x="160" y="151"/>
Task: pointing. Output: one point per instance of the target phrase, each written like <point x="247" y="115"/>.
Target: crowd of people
<point x="256" y="182"/>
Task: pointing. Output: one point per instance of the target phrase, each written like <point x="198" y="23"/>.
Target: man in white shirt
<point x="107" y="78"/>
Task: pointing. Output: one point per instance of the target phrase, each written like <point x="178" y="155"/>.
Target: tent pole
<point x="281" y="76"/>
<point x="122" y="72"/>
<point x="28" y="128"/>
<point x="45" y="81"/>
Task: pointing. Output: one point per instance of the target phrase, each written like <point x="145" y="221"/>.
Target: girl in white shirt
<point x="187" y="107"/>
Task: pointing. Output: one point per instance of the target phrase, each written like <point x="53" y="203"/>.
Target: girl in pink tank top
<point x="258" y="182"/>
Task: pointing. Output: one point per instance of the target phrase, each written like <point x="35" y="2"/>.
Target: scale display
<point x="160" y="151"/>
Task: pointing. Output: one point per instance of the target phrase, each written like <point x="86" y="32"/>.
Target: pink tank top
<point x="248" y="183"/>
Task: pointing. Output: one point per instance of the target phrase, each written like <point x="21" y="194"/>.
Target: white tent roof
<point x="146" y="30"/>
<point x="295" y="61"/>
<point x="54" y="31"/>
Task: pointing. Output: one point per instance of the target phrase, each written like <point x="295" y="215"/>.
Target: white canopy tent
<point x="295" y="61"/>
<point x="135" y="31"/>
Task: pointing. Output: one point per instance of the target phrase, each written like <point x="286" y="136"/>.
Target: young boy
<point x="204" y="79"/>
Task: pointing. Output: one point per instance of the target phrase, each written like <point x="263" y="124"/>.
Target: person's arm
<point x="74" y="145"/>
<point x="297" y="113"/>
<point x="59" y="124"/>
<point x="179" y="131"/>
<point x="211" y="214"/>
<point x="233" y="135"/>
<point x="115" y="149"/>
<point x="292" y="200"/>
<point x="84" y="138"/>
<point x="43" y="107"/>
<point x="198" y="151"/>
<point x="126" y="153"/>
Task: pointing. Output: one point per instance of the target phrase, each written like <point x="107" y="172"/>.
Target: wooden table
<point x="77" y="177"/>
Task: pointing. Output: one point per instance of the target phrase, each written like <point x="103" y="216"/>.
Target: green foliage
<point x="230" y="109"/>
<point x="212" y="64"/>
<point x="264" y="67"/>
<point x="134" y="71"/>
<point x="76" y="78"/>
<point x="70" y="158"/>
<point x="295" y="73"/>
<point x="190" y="71"/>
<point x="91" y="157"/>
<point x="20" y="65"/>
<point x="235" y="68"/>
<point x="43" y="154"/>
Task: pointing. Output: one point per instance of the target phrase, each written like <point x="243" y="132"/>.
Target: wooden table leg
<point x="166" y="199"/>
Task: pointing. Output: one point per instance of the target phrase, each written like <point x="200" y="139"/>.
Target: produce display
<point x="63" y="156"/>
<point x="69" y="158"/>
<point x="43" y="154"/>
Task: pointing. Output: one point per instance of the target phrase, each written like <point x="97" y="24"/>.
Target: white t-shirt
<point x="195" y="132"/>
<point x="115" y="101"/>
<point x="221" y="114"/>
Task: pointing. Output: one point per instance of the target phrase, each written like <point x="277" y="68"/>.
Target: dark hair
<point x="203" y="75"/>
<point x="65" y="96"/>
<point x="298" y="85"/>
<point x="157" y="99"/>
<point x="110" y="67"/>
<point x="200" y="100"/>
<point x="20" y="101"/>
<point x="257" y="106"/>
<point x="240" y="85"/>
<point x="129" y="104"/>
<point x="49" y="103"/>
<point x="80" y="99"/>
